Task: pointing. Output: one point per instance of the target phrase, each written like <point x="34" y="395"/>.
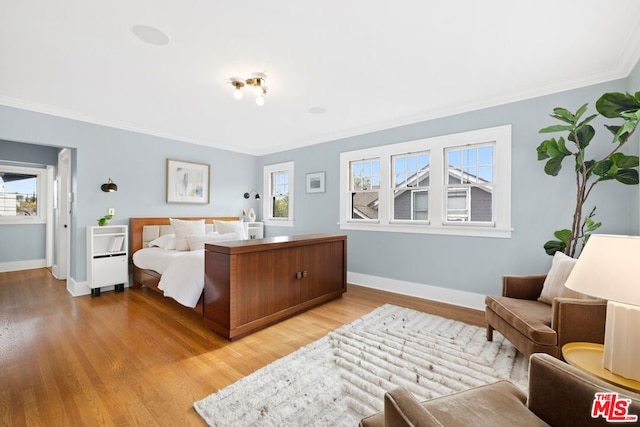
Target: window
<point x="22" y="194"/>
<point x="278" y="191"/>
<point x="364" y="183"/>
<point x="410" y="186"/>
<point x="469" y="183"/>
<point x="453" y="184"/>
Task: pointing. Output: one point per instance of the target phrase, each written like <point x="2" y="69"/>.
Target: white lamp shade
<point x="608" y="268"/>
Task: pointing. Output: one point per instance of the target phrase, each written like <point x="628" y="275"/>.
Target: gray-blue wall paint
<point x="25" y="242"/>
<point x="540" y="203"/>
<point x="137" y="163"/>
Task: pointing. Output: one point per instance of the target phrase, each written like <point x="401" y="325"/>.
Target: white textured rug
<point x="343" y="376"/>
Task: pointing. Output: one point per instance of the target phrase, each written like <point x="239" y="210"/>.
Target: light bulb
<point x="237" y="94"/>
<point x="260" y="100"/>
<point x="258" y="90"/>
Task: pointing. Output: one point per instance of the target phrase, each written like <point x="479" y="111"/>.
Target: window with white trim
<point x="23" y="192"/>
<point x="364" y="188"/>
<point x="278" y="194"/>
<point x="410" y="187"/>
<point x="456" y="184"/>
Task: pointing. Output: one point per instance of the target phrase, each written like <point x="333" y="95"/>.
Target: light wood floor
<point x="136" y="358"/>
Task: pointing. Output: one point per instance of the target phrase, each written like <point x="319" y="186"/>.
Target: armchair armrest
<point x="523" y="287"/>
<point x="562" y="395"/>
<point x="578" y="320"/>
<point x="401" y="408"/>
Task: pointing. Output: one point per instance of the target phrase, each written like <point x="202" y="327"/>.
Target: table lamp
<point x="609" y="268"/>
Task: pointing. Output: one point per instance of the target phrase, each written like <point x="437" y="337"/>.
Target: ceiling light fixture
<point x="257" y="81"/>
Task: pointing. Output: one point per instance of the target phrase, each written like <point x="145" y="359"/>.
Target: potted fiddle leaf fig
<point x="614" y="166"/>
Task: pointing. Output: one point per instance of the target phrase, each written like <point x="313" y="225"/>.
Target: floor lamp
<point x="609" y="268"/>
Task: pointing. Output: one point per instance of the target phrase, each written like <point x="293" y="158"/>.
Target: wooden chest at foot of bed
<point x="251" y="284"/>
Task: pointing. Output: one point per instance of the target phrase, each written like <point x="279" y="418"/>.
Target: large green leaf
<point x="624" y="161"/>
<point x="627" y="176"/>
<point x="564" y="115"/>
<point x="562" y="235"/>
<point x="587" y="120"/>
<point x="553" y="246"/>
<point x="553" y="166"/>
<point x="585" y="135"/>
<point x="556" y="128"/>
<point x="542" y="151"/>
<point x="562" y="147"/>
<point x="611" y="105"/>
<point x="603" y="167"/>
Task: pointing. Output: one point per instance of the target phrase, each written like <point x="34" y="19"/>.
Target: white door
<point x="63" y="215"/>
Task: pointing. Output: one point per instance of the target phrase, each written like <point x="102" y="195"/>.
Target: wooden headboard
<point x="136" y="224"/>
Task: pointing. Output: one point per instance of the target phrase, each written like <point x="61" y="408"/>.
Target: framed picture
<point x="315" y="182"/>
<point x="187" y="182"/>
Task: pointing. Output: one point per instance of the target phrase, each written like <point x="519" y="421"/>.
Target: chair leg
<point x="489" y="332"/>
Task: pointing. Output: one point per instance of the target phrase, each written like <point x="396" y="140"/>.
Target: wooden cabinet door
<point x="264" y="283"/>
<point x="324" y="267"/>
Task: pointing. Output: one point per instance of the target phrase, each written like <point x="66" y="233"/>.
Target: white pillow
<point x="168" y="242"/>
<point x="224" y="227"/>
<point x="561" y="267"/>
<point x="183" y="228"/>
<point x="197" y="242"/>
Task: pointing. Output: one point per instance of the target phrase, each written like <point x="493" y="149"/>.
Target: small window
<point x="278" y="192"/>
<point x="364" y="184"/>
<point x="22" y="194"/>
<point x="469" y="183"/>
<point x="410" y="187"/>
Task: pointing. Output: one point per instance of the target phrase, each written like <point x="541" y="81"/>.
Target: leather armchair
<point x="536" y="327"/>
<point x="559" y="395"/>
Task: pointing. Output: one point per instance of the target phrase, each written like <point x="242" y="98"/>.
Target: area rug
<point x="343" y="376"/>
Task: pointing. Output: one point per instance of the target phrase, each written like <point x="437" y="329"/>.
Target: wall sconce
<point x="256" y="81"/>
<point x="109" y="187"/>
<point x="247" y="195"/>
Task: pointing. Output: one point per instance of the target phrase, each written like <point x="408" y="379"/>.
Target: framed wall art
<point x="315" y="182"/>
<point x="187" y="182"/>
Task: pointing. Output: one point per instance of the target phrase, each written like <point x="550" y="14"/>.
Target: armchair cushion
<point x="531" y="318"/>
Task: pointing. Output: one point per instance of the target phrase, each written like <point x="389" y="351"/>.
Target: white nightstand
<point x="107" y="257"/>
<point x="255" y="230"/>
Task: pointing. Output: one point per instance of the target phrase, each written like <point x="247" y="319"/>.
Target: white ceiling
<point x="371" y="64"/>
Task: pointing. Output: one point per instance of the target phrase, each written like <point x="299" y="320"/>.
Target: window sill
<point x="467" y="230"/>
<point x="22" y="221"/>
<point x="278" y="223"/>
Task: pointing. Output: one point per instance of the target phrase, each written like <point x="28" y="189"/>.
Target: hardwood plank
<point x="137" y="358"/>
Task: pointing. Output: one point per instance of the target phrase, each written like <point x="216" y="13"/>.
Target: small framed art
<point x="187" y="182"/>
<point x="315" y="182"/>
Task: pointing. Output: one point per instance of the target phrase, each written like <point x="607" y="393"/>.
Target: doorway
<point x="62" y="215"/>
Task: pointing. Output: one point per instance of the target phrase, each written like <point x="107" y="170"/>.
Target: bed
<point x="151" y="263"/>
<point x="239" y="285"/>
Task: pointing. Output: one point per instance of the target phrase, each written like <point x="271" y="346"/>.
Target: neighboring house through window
<point x="22" y="194"/>
<point x="453" y="184"/>
<point x="278" y="192"/>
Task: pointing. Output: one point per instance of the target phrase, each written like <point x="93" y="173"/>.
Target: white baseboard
<point x="419" y="290"/>
<point x="78" y="289"/>
<point x="22" y="265"/>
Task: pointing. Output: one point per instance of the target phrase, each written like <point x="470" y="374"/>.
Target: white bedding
<point x="156" y="259"/>
<point x="183" y="279"/>
<point x="182" y="272"/>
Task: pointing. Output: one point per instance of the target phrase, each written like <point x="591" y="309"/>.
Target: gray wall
<point x="540" y="203"/>
<point x="24" y="242"/>
<point x="136" y="162"/>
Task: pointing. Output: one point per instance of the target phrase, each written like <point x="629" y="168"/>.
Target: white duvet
<point x="182" y="272"/>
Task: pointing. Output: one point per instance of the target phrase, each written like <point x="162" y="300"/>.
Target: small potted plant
<point x="104" y="220"/>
